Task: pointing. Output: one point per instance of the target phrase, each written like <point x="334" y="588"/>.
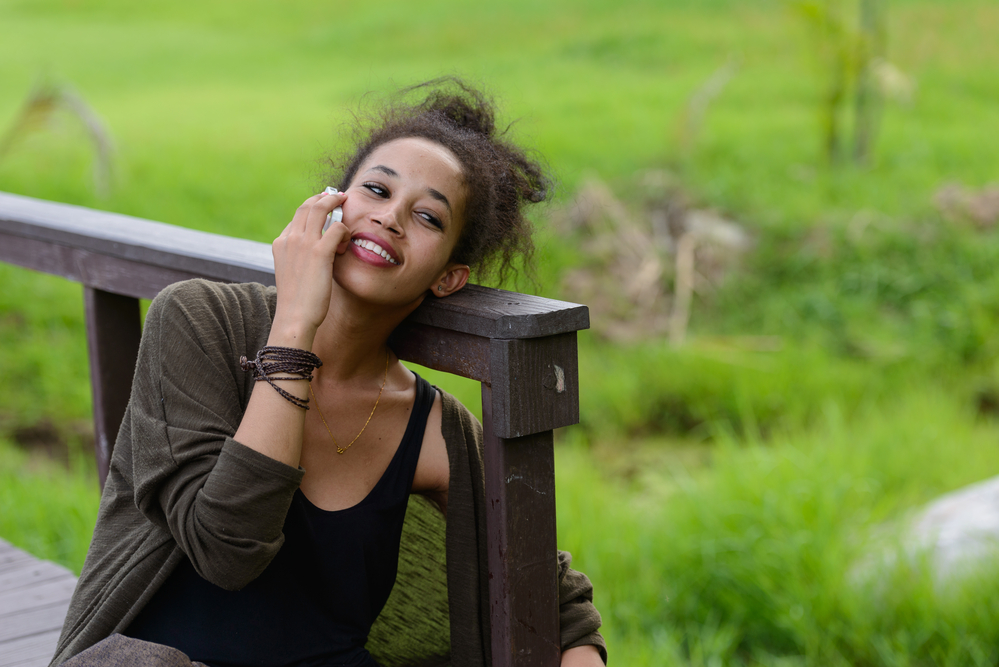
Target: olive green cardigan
<point x="180" y="487"/>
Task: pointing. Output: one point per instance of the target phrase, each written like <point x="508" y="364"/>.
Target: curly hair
<point x="500" y="177"/>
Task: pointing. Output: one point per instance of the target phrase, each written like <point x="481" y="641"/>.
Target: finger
<point x="337" y="237"/>
<point x="319" y="211"/>
<point x="300" y="220"/>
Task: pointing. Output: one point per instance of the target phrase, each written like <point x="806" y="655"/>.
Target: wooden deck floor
<point x="34" y="596"/>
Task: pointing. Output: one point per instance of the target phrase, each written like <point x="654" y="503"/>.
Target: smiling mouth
<point x="375" y="248"/>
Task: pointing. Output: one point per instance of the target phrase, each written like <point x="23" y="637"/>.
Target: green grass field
<point x="725" y="500"/>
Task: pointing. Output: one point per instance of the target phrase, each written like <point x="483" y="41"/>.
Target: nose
<point x="392" y="217"/>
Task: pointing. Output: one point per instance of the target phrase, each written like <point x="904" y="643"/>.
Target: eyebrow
<point x="439" y="196"/>
<point x="385" y="170"/>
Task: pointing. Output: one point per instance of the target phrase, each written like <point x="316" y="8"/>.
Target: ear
<point x="453" y="279"/>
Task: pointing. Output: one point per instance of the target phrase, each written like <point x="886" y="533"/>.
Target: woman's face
<point x="405" y="211"/>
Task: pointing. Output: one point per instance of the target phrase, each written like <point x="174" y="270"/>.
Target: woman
<point x="239" y="526"/>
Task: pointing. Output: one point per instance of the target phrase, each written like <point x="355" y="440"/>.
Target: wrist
<point x="582" y="656"/>
<point x="287" y="334"/>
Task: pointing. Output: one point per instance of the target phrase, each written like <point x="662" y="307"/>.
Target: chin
<point x="375" y="291"/>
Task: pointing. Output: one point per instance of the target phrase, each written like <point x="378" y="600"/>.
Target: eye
<point x="432" y="219"/>
<point x="377" y="189"/>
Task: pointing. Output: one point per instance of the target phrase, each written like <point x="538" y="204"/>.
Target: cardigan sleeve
<point x="579" y="620"/>
<point x="222" y="502"/>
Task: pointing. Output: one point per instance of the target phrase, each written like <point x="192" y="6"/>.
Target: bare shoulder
<point x="433" y="472"/>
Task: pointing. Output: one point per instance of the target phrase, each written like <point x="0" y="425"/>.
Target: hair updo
<point x="499" y="177"/>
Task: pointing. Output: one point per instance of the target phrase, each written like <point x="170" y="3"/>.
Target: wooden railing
<point x="521" y="348"/>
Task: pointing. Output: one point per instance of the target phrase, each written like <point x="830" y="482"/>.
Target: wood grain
<point x="443" y="350"/>
<point x="535" y="384"/>
<point x="521" y="546"/>
<point x="34" y="597"/>
<point x="113" y="333"/>
<point x="111" y="274"/>
<point x="27" y="651"/>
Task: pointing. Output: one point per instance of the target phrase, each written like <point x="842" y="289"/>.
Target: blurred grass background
<point x="723" y="498"/>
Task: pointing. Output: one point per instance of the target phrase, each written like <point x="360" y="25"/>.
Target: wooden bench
<point x="34" y="597"/>
<point x="521" y="348"/>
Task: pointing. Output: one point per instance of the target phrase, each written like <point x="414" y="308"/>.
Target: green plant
<point x="48" y="99"/>
<point x="850" y="58"/>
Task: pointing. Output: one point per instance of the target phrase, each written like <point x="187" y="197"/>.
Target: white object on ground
<point x="960" y="529"/>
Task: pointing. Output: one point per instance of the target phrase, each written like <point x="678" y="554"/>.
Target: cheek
<point x="352" y="207"/>
<point x="433" y="261"/>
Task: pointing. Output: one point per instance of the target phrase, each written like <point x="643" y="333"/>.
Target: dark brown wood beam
<point x="113" y="332"/>
<point x="443" y="350"/>
<point x="521" y="545"/>
<point x="535" y="384"/>
<point x="110" y="274"/>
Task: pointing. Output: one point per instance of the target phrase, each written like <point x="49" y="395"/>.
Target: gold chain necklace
<point x="339" y="449"/>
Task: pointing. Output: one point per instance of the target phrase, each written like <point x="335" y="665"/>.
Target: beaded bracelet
<point x="296" y="364"/>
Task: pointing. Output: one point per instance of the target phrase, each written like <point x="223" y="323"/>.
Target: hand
<point x="582" y="656"/>
<point x="303" y="270"/>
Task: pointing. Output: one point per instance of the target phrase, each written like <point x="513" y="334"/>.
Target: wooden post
<point x="113" y="333"/>
<point x="520" y="536"/>
<point x="534" y="389"/>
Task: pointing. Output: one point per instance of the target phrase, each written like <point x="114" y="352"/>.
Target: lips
<point x="368" y="246"/>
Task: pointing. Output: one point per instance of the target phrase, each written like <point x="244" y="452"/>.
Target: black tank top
<point x="315" y="602"/>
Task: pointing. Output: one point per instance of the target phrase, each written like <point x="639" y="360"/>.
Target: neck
<point x="353" y="339"/>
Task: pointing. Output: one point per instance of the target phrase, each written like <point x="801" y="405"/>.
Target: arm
<point x="219" y="478"/>
<point x="222" y="502"/>
<point x="303" y="271"/>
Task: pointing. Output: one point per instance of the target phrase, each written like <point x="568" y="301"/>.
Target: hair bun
<point x="459" y="103"/>
<point x="458" y="111"/>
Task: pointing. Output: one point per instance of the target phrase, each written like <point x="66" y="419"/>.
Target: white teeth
<point x="375" y="248"/>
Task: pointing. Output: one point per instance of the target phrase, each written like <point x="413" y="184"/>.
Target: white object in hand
<point x="336" y="215"/>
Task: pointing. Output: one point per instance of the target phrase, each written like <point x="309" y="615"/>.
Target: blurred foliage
<point x="890" y="292"/>
<point x="846" y="313"/>
<point x="849" y="42"/>
<point x="48" y="509"/>
<point x="790" y="553"/>
<point x="43" y="106"/>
